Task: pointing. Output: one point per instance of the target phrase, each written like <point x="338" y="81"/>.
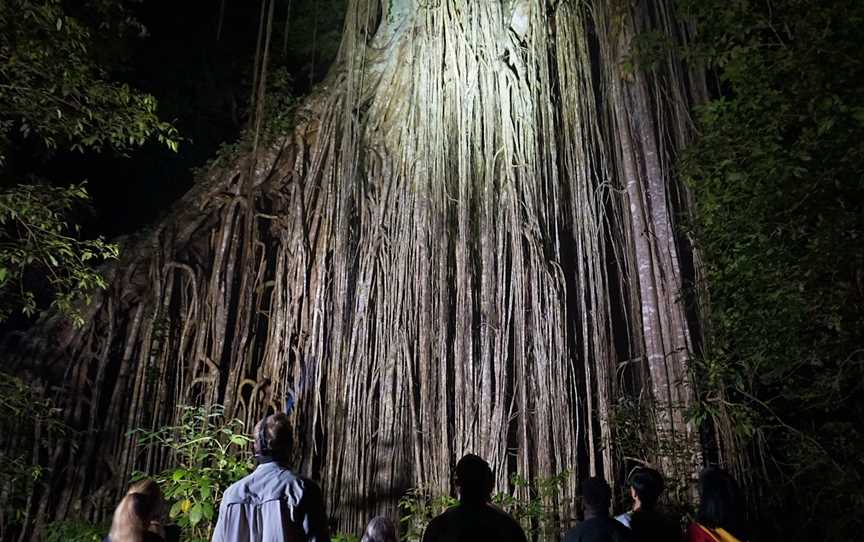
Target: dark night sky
<point x="202" y="86"/>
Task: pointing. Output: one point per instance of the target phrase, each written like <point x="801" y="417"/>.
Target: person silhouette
<point x="722" y="514"/>
<point x="645" y="520"/>
<point x="597" y="526"/>
<point x="474" y="518"/>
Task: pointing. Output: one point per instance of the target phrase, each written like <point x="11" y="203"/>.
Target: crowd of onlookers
<point x="273" y="504"/>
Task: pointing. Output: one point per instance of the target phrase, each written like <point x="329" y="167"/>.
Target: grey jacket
<point x="272" y="505"/>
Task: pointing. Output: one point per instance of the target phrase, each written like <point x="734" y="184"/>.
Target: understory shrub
<point x="207" y="453"/>
<point x="778" y="177"/>
<point x="21" y="465"/>
<point x="71" y="530"/>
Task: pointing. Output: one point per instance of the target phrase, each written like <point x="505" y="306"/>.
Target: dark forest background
<point x="777" y="175"/>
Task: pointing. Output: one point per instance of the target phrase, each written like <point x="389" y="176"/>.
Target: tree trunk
<point x="439" y="258"/>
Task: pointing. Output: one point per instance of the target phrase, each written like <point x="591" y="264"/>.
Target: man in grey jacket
<point x="272" y="504"/>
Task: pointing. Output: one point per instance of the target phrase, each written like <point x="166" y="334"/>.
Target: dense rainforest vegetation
<point x="775" y="173"/>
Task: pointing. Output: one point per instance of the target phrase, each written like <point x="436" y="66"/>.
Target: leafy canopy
<point x="778" y="175"/>
<point x="53" y="90"/>
<point x="55" y="94"/>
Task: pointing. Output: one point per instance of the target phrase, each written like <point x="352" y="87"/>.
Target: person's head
<point x="273" y="437"/>
<point x="721" y="502"/>
<point x="596" y="496"/>
<point x="150" y="489"/>
<point x="474" y="479"/>
<point x="380" y="529"/>
<point x="138" y="509"/>
<point x="646" y="486"/>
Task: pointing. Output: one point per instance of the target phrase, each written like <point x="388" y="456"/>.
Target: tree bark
<point x="430" y="261"/>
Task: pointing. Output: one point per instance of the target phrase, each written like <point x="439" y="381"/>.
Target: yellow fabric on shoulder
<point x="724" y="536"/>
<point x="719" y="534"/>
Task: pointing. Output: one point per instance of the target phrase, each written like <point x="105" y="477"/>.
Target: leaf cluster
<point x="778" y="175"/>
<point x="74" y="531"/>
<point x="209" y="453"/>
<point x="535" y="505"/>
<point x="20" y="472"/>
<point x="417" y="508"/>
<point x="52" y="89"/>
<point x="36" y="239"/>
<point x="56" y="95"/>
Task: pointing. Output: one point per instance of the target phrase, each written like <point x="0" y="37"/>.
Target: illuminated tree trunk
<point x="465" y="235"/>
<point x="649" y="129"/>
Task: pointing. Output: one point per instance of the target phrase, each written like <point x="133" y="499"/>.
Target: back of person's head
<point x="273" y="437"/>
<point x="597" y="495"/>
<point x="648" y="485"/>
<point x="721" y="502"/>
<point x="150" y="489"/>
<point x="141" y="505"/>
<point x="380" y="529"/>
<point x="474" y="478"/>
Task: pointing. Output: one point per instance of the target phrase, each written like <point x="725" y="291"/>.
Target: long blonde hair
<point x="139" y="511"/>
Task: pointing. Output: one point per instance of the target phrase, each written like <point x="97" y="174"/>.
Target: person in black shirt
<point x="597" y="526"/>
<point x="474" y="519"/>
<point x="646" y="522"/>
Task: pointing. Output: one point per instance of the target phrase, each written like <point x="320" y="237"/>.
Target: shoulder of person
<point x="430" y="533"/>
<point x="697" y="533"/>
<point x="500" y="511"/>
<point x="515" y="527"/>
<point x="233" y="493"/>
<point x="624" y="519"/>
<point x="574" y="534"/>
<point x="622" y="533"/>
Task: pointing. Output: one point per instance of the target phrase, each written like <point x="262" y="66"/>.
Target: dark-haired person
<point x="474" y="518"/>
<point x="272" y="503"/>
<point x="721" y="516"/>
<point x="597" y="526"/>
<point x="644" y="519"/>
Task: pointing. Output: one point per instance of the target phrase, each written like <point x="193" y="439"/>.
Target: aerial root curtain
<point x="466" y="243"/>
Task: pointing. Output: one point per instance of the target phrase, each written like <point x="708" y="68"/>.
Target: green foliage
<point x="632" y="429"/>
<point x="532" y="505"/>
<point x="55" y="94"/>
<point x="20" y="472"/>
<point x="778" y="175"/>
<point x="536" y="510"/>
<point x="36" y="238"/>
<point x="74" y="531"/>
<point x="638" y="442"/>
<point x="343" y="537"/>
<point x="417" y="508"/>
<point x="277" y="119"/>
<point x="52" y="88"/>
<point x="209" y="454"/>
